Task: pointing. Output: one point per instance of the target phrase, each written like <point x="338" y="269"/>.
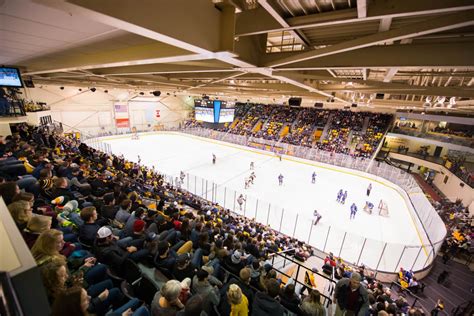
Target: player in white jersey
<point x="240" y="201"/>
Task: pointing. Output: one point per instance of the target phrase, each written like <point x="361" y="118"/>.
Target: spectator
<point x="289" y="299"/>
<point x="209" y="293"/>
<point x="265" y="303"/>
<point x="311" y="305"/>
<point x="166" y="301"/>
<point x="351" y="296"/>
<point x="21" y="212"/>
<point x="114" y="253"/>
<point x="238" y="302"/>
<point x="36" y="225"/>
<point x="88" y="231"/>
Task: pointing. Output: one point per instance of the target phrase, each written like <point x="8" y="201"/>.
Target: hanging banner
<point x="122" y="119"/>
<point x="122" y="123"/>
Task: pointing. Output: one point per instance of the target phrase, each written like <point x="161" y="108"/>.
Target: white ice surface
<point x="171" y="153"/>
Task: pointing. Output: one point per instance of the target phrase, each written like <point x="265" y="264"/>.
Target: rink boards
<point x="371" y="239"/>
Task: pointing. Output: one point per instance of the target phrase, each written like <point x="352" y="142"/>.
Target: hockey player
<point x="369" y="188"/>
<point x="368" y="207"/>
<point x="240" y="201"/>
<point x="318" y="217"/>
<point x="139" y="159"/>
<point x="213" y="159"/>
<point x="344" y="197"/>
<point x="252" y="165"/>
<point x="313" y="177"/>
<point x="247" y="183"/>
<point x="280" y="179"/>
<point x="339" y="196"/>
<point x="252" y="177"/>
<point x="182" y="176"/>
<point x="353" y="211"/>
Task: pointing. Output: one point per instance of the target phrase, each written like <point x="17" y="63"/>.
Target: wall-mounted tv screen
<point x="204" y="114"/>
<point x="10" y="77"/>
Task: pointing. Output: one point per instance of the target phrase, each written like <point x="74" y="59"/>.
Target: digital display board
<point x="214" y="111"/>
<point x="10" y="77"/>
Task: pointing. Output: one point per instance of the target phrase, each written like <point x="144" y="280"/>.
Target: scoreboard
<point x="214" y="111"/>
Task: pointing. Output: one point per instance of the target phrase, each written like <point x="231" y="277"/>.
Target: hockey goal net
<point x="383" y="208"/>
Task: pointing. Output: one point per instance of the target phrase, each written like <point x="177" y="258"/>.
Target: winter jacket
<point x="264" y="305"/>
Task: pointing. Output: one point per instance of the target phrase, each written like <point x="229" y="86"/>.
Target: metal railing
<point x="418" y="257"/>
<point x="380" y="256"/>
<point x="416" y="298"/>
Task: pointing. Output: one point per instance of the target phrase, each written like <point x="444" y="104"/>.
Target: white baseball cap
<point x="104" y="232"/>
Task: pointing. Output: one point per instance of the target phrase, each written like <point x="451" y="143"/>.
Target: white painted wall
<point x="453" y="189"/>
<point x="92" y="112"/>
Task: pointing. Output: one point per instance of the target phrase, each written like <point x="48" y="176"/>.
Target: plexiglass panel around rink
<point x="352" y="248"/>
<point x="326" y="236"/>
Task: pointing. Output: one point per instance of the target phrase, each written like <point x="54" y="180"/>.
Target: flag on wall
<point x="122" y="119"/>
<point x="121" y="108"/>
<point x="122" y="122"/>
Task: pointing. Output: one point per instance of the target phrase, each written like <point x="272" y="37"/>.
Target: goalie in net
<point x="383" y="208"/>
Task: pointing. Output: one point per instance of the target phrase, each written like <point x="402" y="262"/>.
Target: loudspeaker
<point x="380" y="96"/>
<point x="156" y="93"/>
<point x="28" y="83"/>
<point x="318" y="105"/>
<point x="294" y="101"/>
<point x="354" y="105"/>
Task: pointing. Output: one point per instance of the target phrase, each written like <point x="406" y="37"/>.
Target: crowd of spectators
<point x="302" y="132"/>
<point x="247" y="123"/>
<point x="468" y="133"/>
<point x="458" y="242"/>
<point x="302" y="123"/>
<point x="88" y="216"/>
<point x="370" y="296"/>
<point x="373" y="134"/>
<point x="280" y="116"/>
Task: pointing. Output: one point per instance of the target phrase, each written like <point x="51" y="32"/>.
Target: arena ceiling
<point x="395" y="53"/>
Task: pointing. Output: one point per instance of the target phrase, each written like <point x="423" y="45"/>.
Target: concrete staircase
<point x="326" y="127"/>
<point x="365" y="125"/>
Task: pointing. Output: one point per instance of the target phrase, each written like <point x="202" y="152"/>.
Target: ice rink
<point x="290" y="207"/>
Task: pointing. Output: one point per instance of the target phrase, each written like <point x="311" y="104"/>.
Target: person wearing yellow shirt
<point x="239" y="304"/>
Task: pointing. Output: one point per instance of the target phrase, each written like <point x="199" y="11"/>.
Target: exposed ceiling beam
<point x="223" y="78"/>
<point x="376" y="11"/>
<point x="385" y="24"/>
<point x="371" y="85"/>
<point x="149" y="61"/>
<point x="390" y="74"/>
<point x="299" y="83"/>
<point x="361" y="8"/>
<point x="434" y="25"/>
<point x="332" y="73"/>
<point x="297" y="35"/>
<point x="452" y="55"/>
<point x="408" y="90"/>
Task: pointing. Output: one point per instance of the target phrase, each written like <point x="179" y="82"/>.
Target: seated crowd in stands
<point x="88" y="217"/>
<point x="371" y="296"/>
<point x="469" y="133"/>
<point x="268" y="122"/>
<point x="458" y="242"/>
